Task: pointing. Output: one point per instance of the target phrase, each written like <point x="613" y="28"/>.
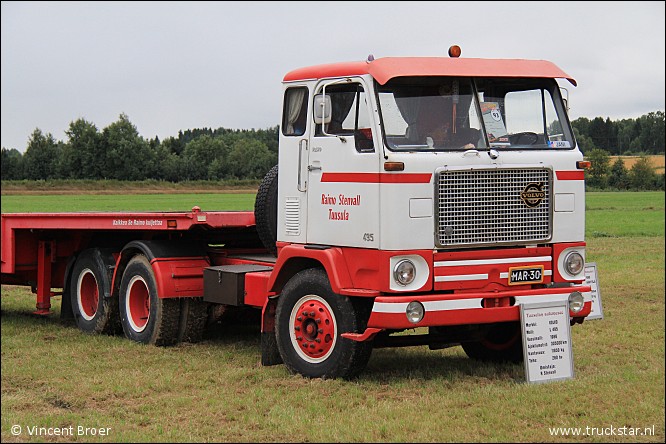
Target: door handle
<point x="313" y="168"/>
<point x="302" y="183"/>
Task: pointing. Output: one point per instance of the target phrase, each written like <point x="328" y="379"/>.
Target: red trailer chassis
<point x="38" y="248"/>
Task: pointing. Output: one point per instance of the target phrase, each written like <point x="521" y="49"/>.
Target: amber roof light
<point x="454" y="51"/>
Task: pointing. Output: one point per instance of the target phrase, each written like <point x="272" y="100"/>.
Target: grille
<point x="484" y="206"/>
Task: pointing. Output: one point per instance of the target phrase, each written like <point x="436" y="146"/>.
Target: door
<point x="343" y="167"/>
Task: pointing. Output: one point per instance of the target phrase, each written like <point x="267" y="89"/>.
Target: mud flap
<point x="66" y="313"/>
<point x="270" y="355"/>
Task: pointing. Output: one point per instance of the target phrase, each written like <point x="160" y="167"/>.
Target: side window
<point x="349" y="115"/>
<point x="294" y="113"/>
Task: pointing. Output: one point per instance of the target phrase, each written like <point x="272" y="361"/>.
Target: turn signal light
<point x="394" y="166"/>
<point x="583" y="164"/>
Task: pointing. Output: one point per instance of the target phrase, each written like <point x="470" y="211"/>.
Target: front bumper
<point x="388" y="312"/>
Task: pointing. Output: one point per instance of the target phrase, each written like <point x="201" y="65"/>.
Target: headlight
<point x="404" y="272"/>
<point x="576" y="302"/>
<point x="415" y="312"/>
<point x="574" y="263"/>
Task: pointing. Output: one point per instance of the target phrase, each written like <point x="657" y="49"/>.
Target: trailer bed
<point x="25" y="236"/>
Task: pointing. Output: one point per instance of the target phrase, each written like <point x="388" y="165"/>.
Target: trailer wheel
<point x="145" y="317"/>
<point x="309" y="321"/>
<point x="90" y="289"/>
<point x="502" y="343"/>
<point x="265" y="210"/>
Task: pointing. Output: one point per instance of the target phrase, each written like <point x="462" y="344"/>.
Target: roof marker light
<point x="454" y="51"/>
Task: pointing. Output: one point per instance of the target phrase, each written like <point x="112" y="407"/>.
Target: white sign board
<point x="592" y="280"/>
<point x="547" y="350"/>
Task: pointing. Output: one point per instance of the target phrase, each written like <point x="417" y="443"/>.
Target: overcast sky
<point x="173" y="66"/>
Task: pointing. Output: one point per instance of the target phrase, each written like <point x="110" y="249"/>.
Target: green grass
<point x="621" y="214"/>
<point x="126" y="202"/>
<point x="55" y="376"/>
<point x="9" y="186"/>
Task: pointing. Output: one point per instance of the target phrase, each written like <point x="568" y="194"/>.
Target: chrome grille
<point x="484" y="206"/>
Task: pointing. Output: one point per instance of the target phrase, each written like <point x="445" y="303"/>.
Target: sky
<point x="172" y="66"/>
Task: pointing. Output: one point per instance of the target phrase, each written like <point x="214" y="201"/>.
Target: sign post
<point x="592" y="280"/>
<point x="547" y="350"/>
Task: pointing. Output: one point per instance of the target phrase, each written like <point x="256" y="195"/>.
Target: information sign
<point x="547" y="348"/>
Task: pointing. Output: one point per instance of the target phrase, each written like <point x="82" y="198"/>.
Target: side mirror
<point x="565" y="97"/>
<point x="322" y="109"/>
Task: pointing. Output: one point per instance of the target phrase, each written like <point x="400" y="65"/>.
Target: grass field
<point x="17" y="203"/>
<point x="656" y="161"/>
<point x="55" y="376"/>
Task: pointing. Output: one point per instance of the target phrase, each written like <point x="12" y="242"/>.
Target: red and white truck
<point x="419" y="201"/>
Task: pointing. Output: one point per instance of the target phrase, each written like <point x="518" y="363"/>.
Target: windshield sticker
<point x="492" y="118"/>
<point x="559" y="144"/>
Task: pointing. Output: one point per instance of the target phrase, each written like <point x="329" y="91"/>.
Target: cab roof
<point x="387" y="68"/>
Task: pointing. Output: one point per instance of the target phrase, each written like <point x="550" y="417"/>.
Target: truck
<point x="417" y="201"/>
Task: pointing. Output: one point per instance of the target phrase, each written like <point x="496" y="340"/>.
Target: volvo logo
<point x="533" y="194"/>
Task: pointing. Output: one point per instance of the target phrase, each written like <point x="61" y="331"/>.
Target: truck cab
<point x="442" y="191"/>
<point x="367" y="151"/>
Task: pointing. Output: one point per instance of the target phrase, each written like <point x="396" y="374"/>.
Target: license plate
<point x="525" y="275"/>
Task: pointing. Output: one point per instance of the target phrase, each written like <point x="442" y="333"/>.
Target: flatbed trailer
<point x="41" y="250"/>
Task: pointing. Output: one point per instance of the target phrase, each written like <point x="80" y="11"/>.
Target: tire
<point x="502" y="343"/>
<point x="144" y="316"/>
<point x="265" y="210"/>
<point x="90" y="289"/>
<point x="193" y="317"/>
<point x="309" y="320"/>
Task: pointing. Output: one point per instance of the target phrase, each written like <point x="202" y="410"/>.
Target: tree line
<point x="644" y="135"/>
<point x="119" y="152"/>
<point x="606" y="174"/>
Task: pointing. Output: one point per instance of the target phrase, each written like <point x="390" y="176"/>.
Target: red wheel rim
<point x="313" y="328"/>
<point x="87" y="294"/>
<point x="137" y="303"/>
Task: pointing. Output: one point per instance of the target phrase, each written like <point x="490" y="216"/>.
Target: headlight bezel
<point x="569" y="265"/>
<point x="399" y="272"/>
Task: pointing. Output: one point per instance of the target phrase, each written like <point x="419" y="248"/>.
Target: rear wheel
<point x="144" y="316"/>
<point x="501" y="343"/>
<point x="90" y="289"/>
<point x="309" y="321"/>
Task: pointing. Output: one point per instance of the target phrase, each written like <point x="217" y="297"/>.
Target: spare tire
<point x="265" y="210"/>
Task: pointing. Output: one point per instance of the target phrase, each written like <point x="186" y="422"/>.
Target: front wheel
<point x="309" y="320"/>
<point x="501" y="343"/>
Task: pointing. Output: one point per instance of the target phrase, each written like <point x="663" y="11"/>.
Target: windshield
<point x="439" y="113"/>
